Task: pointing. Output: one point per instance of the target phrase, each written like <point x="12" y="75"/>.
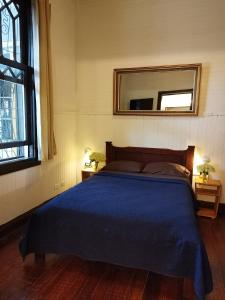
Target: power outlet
<point x="62" y="184"/>
<point x="56" y="186"/>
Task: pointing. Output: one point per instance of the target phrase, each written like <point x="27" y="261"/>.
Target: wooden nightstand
<point x="86" y="173"/>
<point x="210" y="188"/>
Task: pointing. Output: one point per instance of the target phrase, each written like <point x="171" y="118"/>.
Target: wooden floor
<point x="68" y="277"/>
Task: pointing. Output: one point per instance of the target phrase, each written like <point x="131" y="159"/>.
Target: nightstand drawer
<point x="208" y="192"/>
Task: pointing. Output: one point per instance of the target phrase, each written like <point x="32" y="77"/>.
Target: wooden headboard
<point x="146" y="155"/>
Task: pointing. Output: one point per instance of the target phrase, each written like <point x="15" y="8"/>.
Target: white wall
<point x="136" y="33"/>
<point x="23" y="190"/>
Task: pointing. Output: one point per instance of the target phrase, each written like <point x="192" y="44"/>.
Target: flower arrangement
<point x="205" y="168"/>
<point x="96" y="157"/>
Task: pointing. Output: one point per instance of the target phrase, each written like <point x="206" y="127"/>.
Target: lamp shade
<point x="87" y="152"/>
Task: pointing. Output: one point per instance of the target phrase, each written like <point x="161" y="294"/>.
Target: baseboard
<point x="9" y="227"/>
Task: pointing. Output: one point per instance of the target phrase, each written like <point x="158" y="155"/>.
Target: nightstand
<point x="86" y="173"/>
<point x="210" y="188"/>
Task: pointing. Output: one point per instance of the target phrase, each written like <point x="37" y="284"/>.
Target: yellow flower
<point x="97" y="156"/>
<point x="205" y="168"/>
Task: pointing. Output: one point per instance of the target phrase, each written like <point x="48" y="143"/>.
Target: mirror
<point x="164" y="90"/>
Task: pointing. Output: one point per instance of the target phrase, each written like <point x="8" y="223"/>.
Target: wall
<point x="135" y="33"/>
<point x="23" y="190"/>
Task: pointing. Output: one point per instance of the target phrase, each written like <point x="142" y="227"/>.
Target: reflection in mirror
<point x="167" y="90"/>
<point x="175" y="100"/>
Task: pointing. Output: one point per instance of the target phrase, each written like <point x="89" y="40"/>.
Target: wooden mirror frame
<point x="117" y="87"/>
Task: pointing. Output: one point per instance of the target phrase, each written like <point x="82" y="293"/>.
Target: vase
<point x="96" y="165"/>
<point x="205" y="177"/>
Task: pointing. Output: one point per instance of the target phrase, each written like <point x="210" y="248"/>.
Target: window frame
<point x="26" y="48"/>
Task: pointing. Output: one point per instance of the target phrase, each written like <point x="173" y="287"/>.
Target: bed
<point x="135" y="217"/>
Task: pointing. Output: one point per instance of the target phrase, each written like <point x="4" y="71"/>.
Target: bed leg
<point x="39" y="257"/>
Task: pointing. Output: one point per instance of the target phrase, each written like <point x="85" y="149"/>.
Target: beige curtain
<point x="43" y="78"/>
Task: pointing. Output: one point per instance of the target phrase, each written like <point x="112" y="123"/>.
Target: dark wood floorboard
<point x="213" y="234"/>
<point x="68" y="277"/>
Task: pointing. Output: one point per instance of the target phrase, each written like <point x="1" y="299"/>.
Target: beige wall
<point x="135" y="33"/>
<point x="23" y="190"/>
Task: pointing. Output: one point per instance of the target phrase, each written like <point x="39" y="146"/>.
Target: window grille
<point x="17" y="102"/>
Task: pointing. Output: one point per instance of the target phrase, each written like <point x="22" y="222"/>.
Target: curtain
<point x="43" y="78"/>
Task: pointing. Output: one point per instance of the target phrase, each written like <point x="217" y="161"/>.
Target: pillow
<point x="166" y="168"/>
<point x="124" y="166"/>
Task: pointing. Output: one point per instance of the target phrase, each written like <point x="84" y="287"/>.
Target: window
<point x="18" y="147"/>
<point x="180" y="100"/>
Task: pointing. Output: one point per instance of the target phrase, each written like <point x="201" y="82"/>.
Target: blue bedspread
<point x="136" y="221"/>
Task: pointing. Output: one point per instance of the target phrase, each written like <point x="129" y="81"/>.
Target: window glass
<point x="17" y="103"/>
<point x="180" y="101"/>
